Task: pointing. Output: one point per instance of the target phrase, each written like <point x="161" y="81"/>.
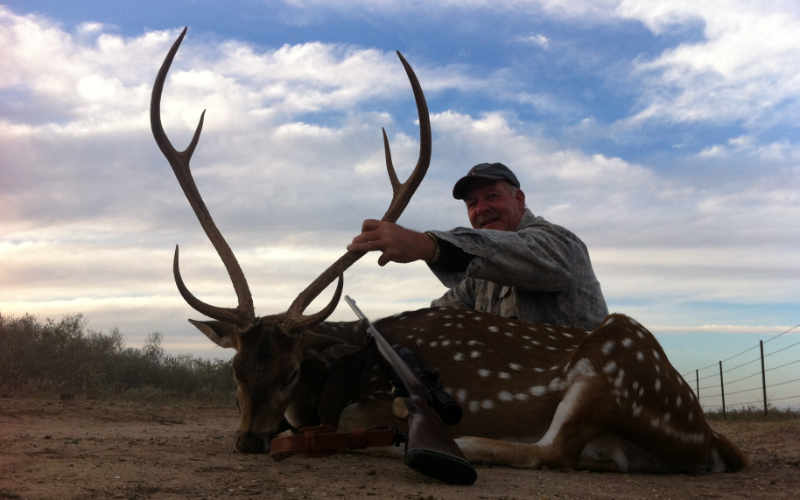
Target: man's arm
<point x="539" y="258"/>
<point x="396" y="243"/>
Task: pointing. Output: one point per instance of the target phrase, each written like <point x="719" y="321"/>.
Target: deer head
<point x="271" y="351"/>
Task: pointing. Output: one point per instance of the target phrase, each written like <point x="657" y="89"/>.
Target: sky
<point x="665" y="134"/>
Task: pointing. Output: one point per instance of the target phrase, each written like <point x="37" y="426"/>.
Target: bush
<point x="66" y="357"/>
<point x="752" y="413"/>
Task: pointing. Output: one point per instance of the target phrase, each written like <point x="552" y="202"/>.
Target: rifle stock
<point x="430" y="449"/>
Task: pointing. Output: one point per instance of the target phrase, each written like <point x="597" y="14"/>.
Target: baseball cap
<point x="494" y="171"/>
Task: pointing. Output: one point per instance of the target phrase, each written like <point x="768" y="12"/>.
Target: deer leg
<point x="368" y="412"/>
<point x="559" y="448"/>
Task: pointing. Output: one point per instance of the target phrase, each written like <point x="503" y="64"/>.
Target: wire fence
<point x="743" y="383"/>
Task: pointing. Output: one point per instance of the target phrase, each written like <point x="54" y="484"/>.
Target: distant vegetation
<point x="48" y="357"/>
<point x="752" y="413"/>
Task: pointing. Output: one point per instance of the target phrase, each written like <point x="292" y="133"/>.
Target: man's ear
<point x="325" y="348"/>
<point x="223" y="334"/>
<point x="520" y="196"/>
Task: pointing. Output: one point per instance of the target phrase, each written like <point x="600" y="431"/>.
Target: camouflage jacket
<point x="539" y="273"/>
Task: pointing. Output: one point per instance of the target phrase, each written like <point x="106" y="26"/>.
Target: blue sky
<point x="664" y="133"/>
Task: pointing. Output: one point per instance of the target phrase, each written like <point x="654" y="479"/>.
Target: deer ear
<point x="222" y="334"/>
<point x="325" y="348"/>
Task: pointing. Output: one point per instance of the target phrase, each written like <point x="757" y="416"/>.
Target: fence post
<point x="722" y="389"/>
<point x="697" y="383"/>
<point x="763" y="377"/>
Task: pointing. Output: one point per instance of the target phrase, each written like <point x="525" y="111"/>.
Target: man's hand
<point x="397" y="243"/>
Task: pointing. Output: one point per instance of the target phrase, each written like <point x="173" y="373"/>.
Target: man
<point x="511" y="263"/>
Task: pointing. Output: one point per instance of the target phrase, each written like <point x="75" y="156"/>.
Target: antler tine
<point x="402" y="194"/>
<point x="179" y="160"/>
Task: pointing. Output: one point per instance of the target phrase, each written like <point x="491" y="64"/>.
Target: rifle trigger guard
<point x="399" y="437"/>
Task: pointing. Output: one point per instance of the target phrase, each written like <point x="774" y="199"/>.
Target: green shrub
<point x="66" y="357"/>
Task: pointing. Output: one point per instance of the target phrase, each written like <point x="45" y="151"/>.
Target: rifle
<point x="430" y="449"/>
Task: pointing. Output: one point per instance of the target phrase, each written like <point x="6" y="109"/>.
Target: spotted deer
<point x="533" y="395"/>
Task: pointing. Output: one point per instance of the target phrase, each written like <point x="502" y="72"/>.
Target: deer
<point x="534" y="395"/>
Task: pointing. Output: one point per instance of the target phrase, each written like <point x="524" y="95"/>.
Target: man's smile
<point x="487" y="219"/>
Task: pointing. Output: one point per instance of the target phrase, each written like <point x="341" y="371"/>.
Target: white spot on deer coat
<point x="484" y="373"/>
<point x="459" y="356"/>
<point x="448" y="324"/>
<point x="610" y="367"/>
<point x="504" y="375"/>
<point x="655" y="353"/>
<point x="658" y="384"/>
<point x="420" y="342"/>
<point x="487" y="404"/>
<point x="620" y="376"/>
<point x="494" y="329"/>
<point x="640" y="356"/>
<point x="538" y="370"/>
<point x="538" y="390"/>
<point x="474" y="406"/>
<point x="608" y="347"/>
<point x="627" y="342"/>
<point x="461" y="395"/>
<point x="434" y="343"/>
<point x="505" y="396"/>
<point x="508" y="334"/>
<point x="475" y="354"/>
<point x="678" y="402"/>
<point x="637" y="410"/>
<point x="477" y="318"/>
<point x="445" y="343"/>
<point x="521" y="396"/>
<point x="515" y="366"/>
<point x="555" y="385"/>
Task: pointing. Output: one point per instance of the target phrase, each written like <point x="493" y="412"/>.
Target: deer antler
<point x="244" y="313"/>
<point x="295" y="321"/>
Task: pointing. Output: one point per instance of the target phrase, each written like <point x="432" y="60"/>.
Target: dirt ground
<point x="100" y="449"/>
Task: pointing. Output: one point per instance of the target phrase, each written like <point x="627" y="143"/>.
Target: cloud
<point x="744" y="69"/>
<point x="538" y="39"/>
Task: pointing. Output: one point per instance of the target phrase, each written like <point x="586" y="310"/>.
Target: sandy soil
<point x="99" y="449"/>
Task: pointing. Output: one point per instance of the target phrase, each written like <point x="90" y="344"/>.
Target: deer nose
<point x="250" y="442"/>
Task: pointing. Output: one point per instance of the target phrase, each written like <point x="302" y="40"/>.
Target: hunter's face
<point x="490" y="205"/>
